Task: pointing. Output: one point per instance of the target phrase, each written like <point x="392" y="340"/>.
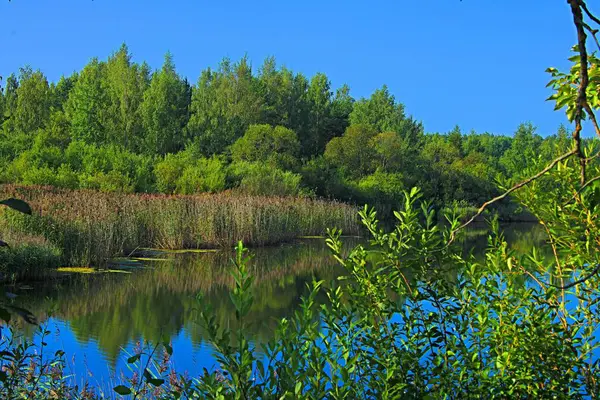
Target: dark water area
<point x="97" y="319"/>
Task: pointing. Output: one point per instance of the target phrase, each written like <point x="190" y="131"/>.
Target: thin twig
<point x="509" y="191"/>
<point x="582" y="188"/>
<point x="592" y="118"/>
<point x="587" y="11"/>
<point x="582" y="280"/>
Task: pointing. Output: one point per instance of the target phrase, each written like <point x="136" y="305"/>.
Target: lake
<point x="98" y="319"/>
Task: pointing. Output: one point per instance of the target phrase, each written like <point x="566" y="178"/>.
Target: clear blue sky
<point x="476" y="63"/>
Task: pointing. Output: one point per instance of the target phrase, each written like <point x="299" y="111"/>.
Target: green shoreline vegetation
<point x="88" y="228"/>
<point x="117" y="126"/>
<point x="267" y="142"/>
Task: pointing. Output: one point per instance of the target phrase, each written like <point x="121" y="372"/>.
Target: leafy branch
<point x="574" y="92"/>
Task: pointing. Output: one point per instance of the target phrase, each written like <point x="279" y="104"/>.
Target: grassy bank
<point x="89" y="227"/>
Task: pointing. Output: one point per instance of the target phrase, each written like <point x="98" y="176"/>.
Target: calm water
<point x="97" y="319"/>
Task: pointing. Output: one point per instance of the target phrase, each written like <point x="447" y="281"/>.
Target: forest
<point x="118" y="126"/>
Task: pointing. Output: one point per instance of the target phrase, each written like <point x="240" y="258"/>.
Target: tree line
<point x="116" y="125"/>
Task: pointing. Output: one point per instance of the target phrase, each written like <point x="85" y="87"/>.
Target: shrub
<point x="261" y="179"/>
<point x="205" y="175"/>
<point x="278" y="146"/>
<point x="168" y="171"/>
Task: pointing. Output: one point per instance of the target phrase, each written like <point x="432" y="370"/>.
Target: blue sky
<point x="476" y="63"/>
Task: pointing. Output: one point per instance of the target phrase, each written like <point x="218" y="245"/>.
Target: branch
<point x="583" y="187"/>
<point x="587" y="11"/>
<point x="576" y="6"/>
<point x="582" y="280"/>
<point x="593" y="32"/>
<point x="512" y="189"/>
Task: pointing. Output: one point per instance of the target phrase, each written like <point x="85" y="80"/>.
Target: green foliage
<point x="164" y="110"/>
<point x="566" y="85"/>
<point x="382" y="188"/>
<point x="185" y="173"/>
<point x="262" y="179"/>
<point x="33" y="101"/>
<point x="416" y="319"/>
<point x="224" y="103"/>
<point x="277" y="146"/>
<point x="35" y="375"/>
<point x="205" y="175"/>
<point x="351" y="153"/>
<point x="118" y="126"/>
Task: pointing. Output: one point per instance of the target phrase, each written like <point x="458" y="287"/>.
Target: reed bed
<point x="91" y="227"/>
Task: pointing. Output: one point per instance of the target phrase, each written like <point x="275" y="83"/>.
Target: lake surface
<point x="98" y="319"/>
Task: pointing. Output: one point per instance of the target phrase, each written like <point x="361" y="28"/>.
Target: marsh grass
<point x="91" y="227"/>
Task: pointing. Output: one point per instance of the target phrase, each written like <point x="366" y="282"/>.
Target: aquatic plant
<point x="91" y="227"/>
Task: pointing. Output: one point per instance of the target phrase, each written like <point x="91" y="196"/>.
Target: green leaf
<point x="18" y="205"/>
<point x="133" y="359"/>
<point x="156" y="382"/>
<point x="122" y="390"/>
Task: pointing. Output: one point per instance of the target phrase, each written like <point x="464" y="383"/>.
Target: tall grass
<point x="91" y="226"/>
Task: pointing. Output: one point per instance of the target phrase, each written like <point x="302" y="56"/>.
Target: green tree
<point x="2" y="103"/>
<point x="33" y="101"/>
<point x="393" y="152"/>
<point x="341" y="107"/>
<point x="88" y="104"/>
<point x="224" y="103"/>
<point x="351" y="152"/>
<point x="523" y="151"/>
<point x="284" y="97"/>
<point x="10" y="102"/>
<point x="277" y="146"/>
<point x="319" y="98"/>
<point x="164" y="111"/>
<point x="380" y="111"/>
<point x="125" y="83"/>
<point x="60" y="91"/>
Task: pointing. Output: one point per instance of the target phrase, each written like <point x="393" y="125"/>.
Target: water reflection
<point x="159" y="301"/>
<point x="107" y="313"/>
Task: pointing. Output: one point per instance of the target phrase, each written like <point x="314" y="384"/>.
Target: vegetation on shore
<point x="83" y="228"/>
<point x="117" y="126"/>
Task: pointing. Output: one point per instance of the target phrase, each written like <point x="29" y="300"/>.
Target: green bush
<point x="112" y="181"/>
<point x="205" y="175"/>
<point x="278" y="146"/>
<point x="169" y="170"/>
<point x="261" y="179"/>
<point x="382" y="187"/>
